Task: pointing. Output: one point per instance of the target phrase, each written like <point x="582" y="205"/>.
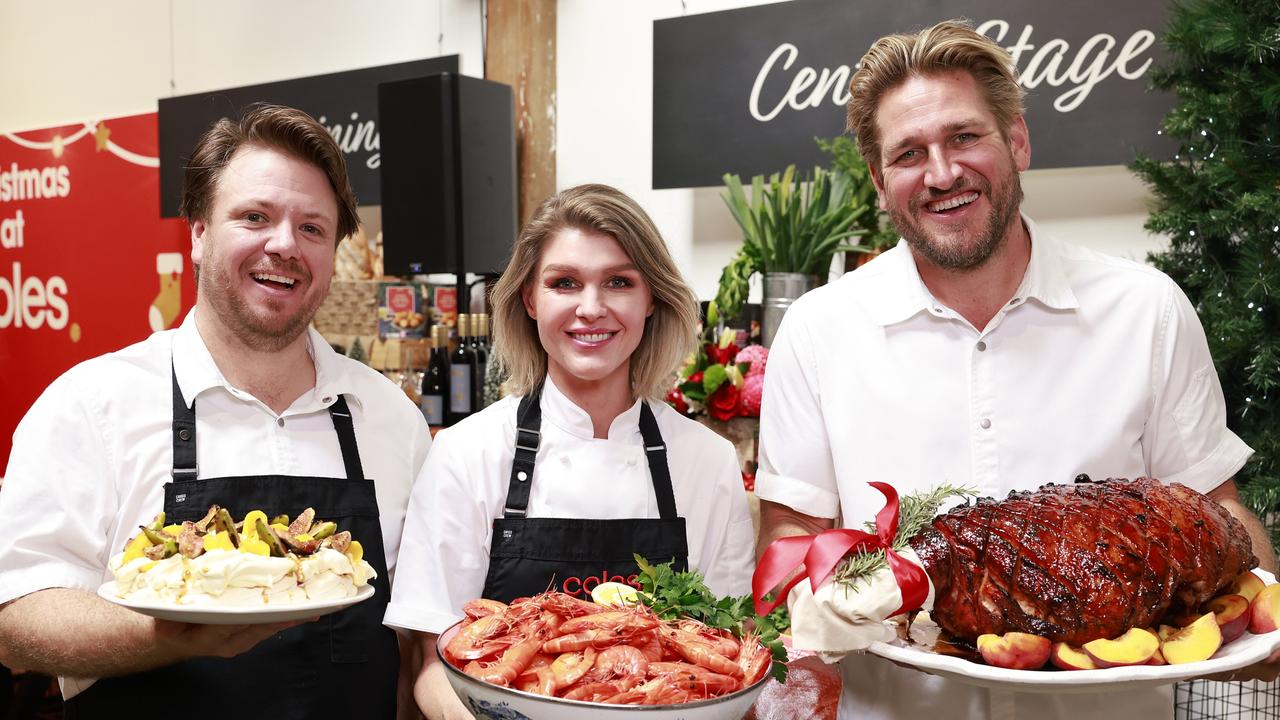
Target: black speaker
<point x="448" y="148"/>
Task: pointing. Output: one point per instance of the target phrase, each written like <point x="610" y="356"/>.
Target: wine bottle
<point x="435" y="378"/>
<point x="461" y="371"/>
<point x="481" y="360"/>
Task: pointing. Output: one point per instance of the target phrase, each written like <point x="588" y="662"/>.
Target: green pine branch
<point x="1218" y="201"/>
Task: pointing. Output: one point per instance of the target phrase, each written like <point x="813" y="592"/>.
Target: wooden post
<point x="520" y="50"/>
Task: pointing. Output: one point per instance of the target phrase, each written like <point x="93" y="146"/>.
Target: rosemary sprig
<point x="914" y="512"/>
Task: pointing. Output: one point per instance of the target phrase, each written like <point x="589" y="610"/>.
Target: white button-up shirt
<point x="1096" y="365"/>
<point x="463" y="489"/>
<point x="91" y="457"/>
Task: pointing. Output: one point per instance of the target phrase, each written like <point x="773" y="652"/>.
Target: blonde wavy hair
<point x="670" y="331"/>
<point x="949" y="45"/>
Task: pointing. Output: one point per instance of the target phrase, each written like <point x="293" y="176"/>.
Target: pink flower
<point x="756" y="355"/>
<point x="749" y="399"/>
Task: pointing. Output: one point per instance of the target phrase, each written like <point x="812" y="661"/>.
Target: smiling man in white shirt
<point x="241" y="406"/>
<point x="978" y="352"/>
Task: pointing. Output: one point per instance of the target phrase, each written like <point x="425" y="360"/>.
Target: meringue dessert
<point x="217" y="562"/>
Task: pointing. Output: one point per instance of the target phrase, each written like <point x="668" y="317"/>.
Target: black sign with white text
<point x="346" y="103"/>
<point x="746" y="91"/>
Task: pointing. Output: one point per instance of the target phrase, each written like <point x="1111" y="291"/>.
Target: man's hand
<point x="190" y="640"/>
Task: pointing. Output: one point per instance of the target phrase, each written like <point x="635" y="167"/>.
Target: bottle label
<point x="460" y="388"/>
<point x="432" y="409"/>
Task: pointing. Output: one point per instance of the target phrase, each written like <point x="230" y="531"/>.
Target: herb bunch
<point x="914" y="512"/>
<point x="673" y="594"/>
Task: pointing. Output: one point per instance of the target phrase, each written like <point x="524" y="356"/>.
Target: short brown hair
<point x="949" y="45"/>
<point x="670" y="332"/>
<point x="277" y="127"/>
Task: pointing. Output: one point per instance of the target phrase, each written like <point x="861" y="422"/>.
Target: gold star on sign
<point x="100" y="136"/>
<point x="57" y="146"/>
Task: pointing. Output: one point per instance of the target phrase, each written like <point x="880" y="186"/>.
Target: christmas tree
<point x="1218" y="200"/>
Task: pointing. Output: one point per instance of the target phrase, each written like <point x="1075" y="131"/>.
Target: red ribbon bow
<point x="819" y="554"/>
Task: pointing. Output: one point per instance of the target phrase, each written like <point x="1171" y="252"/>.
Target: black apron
<point x="343" y="665"/>
<point x="533" y="555"/>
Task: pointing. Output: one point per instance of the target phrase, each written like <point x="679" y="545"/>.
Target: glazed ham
<point x="1076" y="563"/>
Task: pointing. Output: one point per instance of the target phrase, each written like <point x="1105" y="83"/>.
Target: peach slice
<point x="1195" y="642"/>
<point x="1232" y="612"/>
<point x="1264" y="611"/>
<point x="1069" y="657"/>
<point x="1135" y="647"/>
<point x="1165" y="631"/>
<point x="1015" y="650"/>
<point x="1157" y="658"/>
<point x="1246" y="584"/>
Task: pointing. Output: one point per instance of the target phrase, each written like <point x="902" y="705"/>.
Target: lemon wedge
<point x="616" y="594"/>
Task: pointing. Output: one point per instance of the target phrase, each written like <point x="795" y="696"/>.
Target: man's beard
<point x="262" y="334"/>
<point x="973" y="249"/>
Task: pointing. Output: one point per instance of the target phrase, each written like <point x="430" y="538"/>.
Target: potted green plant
<point x="792" y="227"/>
<point x="879" y="235"/>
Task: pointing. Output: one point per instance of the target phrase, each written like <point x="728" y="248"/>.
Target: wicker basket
<point x="350" y="309"/>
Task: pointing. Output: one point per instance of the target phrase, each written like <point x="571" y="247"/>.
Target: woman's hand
<point x="436" y="698"/>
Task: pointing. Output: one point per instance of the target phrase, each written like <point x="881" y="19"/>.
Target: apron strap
<point x="528" y="435"/>
<point x="186" y="467"/>
<point x="655" y="450"/>
<point x="346" y="429"/>
<point x="528" y="426"/>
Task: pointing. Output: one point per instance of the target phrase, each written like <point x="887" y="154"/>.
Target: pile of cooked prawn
<point x="556" y="645"/>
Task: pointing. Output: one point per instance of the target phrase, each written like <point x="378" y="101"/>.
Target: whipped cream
<point x="236" y="579"/>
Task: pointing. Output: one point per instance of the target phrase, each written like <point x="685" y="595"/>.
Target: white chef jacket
<point x="1096" y="365"/>
<point x="91" y="457"/>
<point x="464" y="484"/>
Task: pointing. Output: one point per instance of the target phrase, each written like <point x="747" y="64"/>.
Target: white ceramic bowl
<point x="499" y="703"/>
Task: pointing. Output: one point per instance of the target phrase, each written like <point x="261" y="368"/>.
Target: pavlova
<point x="217" y="561"/>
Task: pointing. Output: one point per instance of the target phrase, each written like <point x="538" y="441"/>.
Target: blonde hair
<point x="949" y="45"/>
<point x="670" y="332"/>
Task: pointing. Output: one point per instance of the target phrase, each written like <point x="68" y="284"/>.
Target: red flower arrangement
<point x="721" y="379"/>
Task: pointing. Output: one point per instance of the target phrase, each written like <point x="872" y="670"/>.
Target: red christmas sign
<point x="87" y="265"/>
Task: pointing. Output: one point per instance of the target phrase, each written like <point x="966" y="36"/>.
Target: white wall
<point x="70" y="60"/>
<point x="67" y="61"/>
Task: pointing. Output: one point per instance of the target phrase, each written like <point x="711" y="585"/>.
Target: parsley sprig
<point x="672" y="594"/>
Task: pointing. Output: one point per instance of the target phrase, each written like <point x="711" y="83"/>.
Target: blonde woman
<point x="557" y="486"/>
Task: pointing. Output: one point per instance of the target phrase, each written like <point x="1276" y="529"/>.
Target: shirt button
<point x="985" y="423"/>
<point x="982" y="346"/>
<point x="326" y="399"/>
<point x="280" y="422"/>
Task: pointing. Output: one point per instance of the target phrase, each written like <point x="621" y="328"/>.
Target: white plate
<point x="1246" y="650"/>
<point x="253" y="615"/>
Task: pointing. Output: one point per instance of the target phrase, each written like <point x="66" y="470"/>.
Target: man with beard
<point x="241" y="406"/>
<point x="979" y="352"/>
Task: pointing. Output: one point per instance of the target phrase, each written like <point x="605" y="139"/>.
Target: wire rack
<point x="1209" y="700"/>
